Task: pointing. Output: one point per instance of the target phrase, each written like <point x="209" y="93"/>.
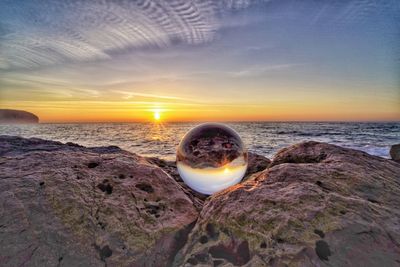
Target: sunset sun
<point x="157" y="115"/>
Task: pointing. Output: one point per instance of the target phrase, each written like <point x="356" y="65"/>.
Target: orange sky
<point x="130" y="111"/>
<point x="257" y="61"/>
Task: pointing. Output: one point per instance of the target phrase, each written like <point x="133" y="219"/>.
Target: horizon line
<point x="220" y="121"/>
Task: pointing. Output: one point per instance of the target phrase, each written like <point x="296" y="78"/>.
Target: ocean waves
<point x="264" y="138"/>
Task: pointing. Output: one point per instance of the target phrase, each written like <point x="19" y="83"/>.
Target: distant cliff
<point x="17" y="116"/>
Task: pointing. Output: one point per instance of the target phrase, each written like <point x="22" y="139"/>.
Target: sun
<point x="157" y="115"/>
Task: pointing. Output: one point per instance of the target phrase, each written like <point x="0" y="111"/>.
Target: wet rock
<point x="311" y="208"/>
<point x="395" y="152"/>
<point x="49" y="217"/>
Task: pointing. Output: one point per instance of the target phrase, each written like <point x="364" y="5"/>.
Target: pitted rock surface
<point x="66" y="205"/>
<point x="318" y="205"/>
<point x="315" y="205"/>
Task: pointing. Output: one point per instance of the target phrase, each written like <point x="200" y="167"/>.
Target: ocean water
<point x="265" y="138"/>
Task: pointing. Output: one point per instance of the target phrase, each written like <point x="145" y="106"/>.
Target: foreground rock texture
<point x="66" y="205"/>
<point x="315" y="205"/>
<point x="17" y="116"/>
<point x="256" y="163"/>
<point x="395" y="152"/>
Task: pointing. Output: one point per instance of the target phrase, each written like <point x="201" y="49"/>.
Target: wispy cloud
<point x="129" y="95"/>
<point x="38" y="33"/>
<point x="250" y="71"/>
<point x="259" y="70"/>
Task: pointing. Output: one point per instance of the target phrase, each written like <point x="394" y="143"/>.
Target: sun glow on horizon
<point x="157" y="115"/>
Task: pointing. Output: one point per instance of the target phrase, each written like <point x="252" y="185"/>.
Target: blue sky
<point x="274" y="60"/>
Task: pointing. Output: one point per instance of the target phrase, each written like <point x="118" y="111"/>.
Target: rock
<point x="256" y="163"/>
<point x="18" y="145"/>
<point x="317" y="205"/>
<point x="395" y="152"/>
<point x="170" y="168"/>
<point x="17" y="116"/>
<point x="67" y="205"/>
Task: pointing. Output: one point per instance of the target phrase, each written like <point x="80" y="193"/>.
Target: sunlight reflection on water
<point x="161" y="140"/>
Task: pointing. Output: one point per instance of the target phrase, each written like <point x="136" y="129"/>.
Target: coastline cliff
<point x="17" y="116"/>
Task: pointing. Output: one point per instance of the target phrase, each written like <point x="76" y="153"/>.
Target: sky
<point x="230" y="60"/>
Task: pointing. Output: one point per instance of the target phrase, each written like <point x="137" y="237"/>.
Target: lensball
<point x="211" y="157"/>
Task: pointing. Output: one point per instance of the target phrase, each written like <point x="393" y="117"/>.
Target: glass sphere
<point x="211" y="157"/>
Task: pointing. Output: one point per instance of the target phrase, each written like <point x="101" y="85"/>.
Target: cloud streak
<point x="40" y="33"/>
<point x="129" y="95"/>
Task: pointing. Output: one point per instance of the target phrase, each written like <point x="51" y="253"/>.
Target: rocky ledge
<point x="315" y="204"/>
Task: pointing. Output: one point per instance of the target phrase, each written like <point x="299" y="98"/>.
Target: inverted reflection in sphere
<point x="211" y="157"/>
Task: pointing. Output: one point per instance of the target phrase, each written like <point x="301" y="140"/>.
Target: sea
<point x="265" y="138"/>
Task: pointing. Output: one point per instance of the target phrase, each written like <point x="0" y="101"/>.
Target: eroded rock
<point x="74" y="206"/>
<point x="319" y="205"/>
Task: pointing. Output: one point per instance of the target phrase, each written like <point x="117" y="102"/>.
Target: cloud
<point x="129" y="95"/>
<point x="41" y="33"/>
<point x="260" y="70"/>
